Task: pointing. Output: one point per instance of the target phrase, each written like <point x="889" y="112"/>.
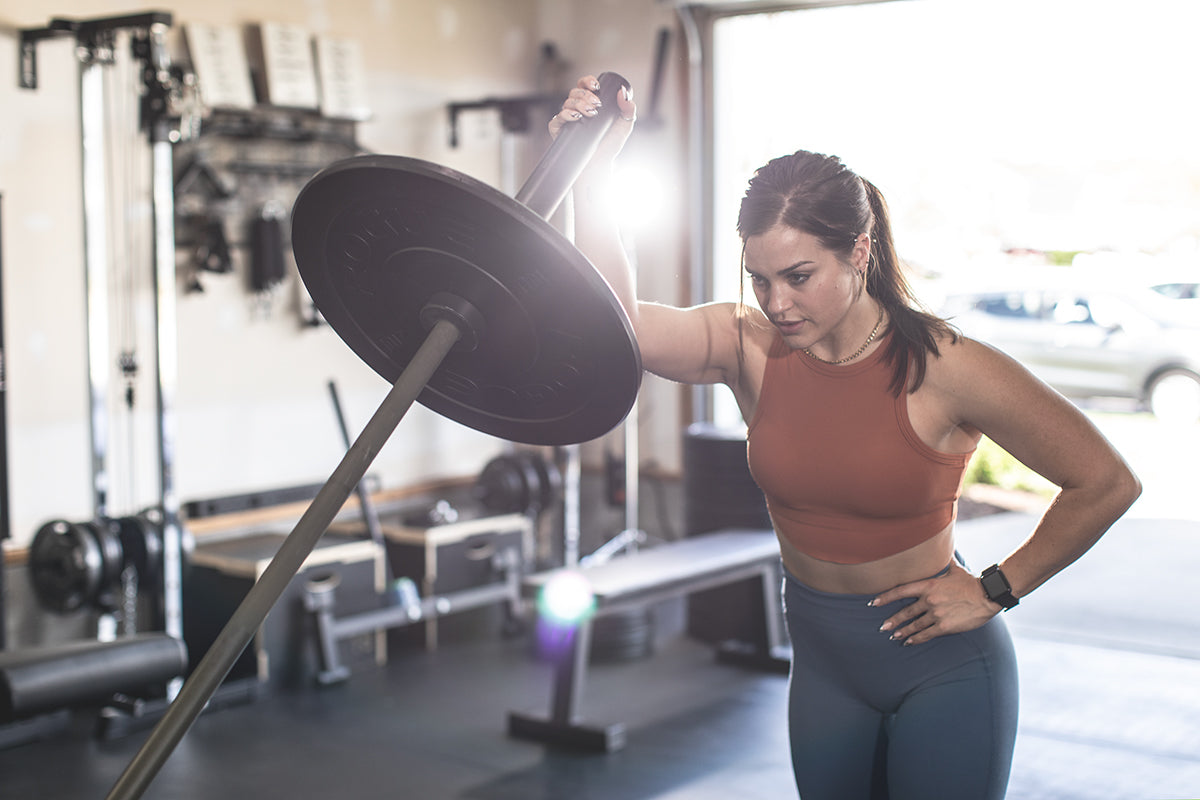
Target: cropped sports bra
<point x="845" y="477"/>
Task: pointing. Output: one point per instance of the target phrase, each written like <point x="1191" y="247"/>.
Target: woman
<point x="863" y="413"/>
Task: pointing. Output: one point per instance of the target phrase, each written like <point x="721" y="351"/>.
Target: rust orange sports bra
<point x="845" y="476"/>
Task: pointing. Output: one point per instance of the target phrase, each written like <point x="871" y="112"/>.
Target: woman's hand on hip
<point x="950" y="603"/>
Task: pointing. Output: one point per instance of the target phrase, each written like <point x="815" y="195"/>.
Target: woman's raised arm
<point x="687" y="345"/>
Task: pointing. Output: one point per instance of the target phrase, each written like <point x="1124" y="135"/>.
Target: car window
<point x="1111" y="312"/>
<point x="1178" y="291"/>
<point x="1021" y="305"/>
<point x="1072" y="310"/>
<point x="1108" y="311"/>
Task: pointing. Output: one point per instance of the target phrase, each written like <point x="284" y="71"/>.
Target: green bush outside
<point x="993" y="466"/>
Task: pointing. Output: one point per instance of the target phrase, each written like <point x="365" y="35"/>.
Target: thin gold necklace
<point x="857" y="352"/>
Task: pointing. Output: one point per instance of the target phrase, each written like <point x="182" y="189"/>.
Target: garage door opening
<point x="1005" y="134"/>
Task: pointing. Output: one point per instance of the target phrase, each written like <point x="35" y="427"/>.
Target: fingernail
<point x="871" y="603"/>
<point x="895" y="636"/>
<point x="907" y="643"/>
<point x="593" y="110"/>
<point x="575" y="115"/>
<point x="887" y="626"/>
<point x="628" y="92"/>
<point x="595" y="84"/>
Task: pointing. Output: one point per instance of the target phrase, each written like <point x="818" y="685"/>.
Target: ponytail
<point x="915" y="332"/>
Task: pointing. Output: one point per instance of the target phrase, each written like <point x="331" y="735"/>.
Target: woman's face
<point x="804" y="289"/>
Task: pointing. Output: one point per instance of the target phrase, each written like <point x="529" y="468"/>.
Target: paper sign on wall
<point x="343" y="79"/>
<point x="219" y="61"/>
<point x="291" y="78"/>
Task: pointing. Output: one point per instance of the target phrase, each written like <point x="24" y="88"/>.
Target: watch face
<point x="996" y="587"/>
<point x="994" y="584"/>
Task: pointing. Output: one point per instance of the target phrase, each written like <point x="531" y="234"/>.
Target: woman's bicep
<point x="1035" y="424"/>
<point x="689" y="345"/>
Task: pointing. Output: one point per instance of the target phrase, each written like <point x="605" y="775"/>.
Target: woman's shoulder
<point x="965" y="366"/>
<point x="964" y="352"/>
<point x="958" y="355"/>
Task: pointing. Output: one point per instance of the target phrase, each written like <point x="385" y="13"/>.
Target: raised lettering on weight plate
<point x="393" y="345"/>
<point x="567" y="377"/>
<point x="455" y="384"/>
<point x="538" y="394"/>
<point x="532" y="280"/>
<point x="462" y="232"/>
<point x="567" y="344"/>
<point x="406" y="226"/>
<point x="376" y="225"/>
<point x="352" y="259"/>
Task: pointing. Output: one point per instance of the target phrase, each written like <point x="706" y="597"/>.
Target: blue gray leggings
<point x="870" y="719"/>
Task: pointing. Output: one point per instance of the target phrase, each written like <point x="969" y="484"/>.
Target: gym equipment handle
<point x="555" y="173"/>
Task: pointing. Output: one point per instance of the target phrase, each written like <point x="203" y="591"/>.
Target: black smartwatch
<point x="997" y="588"/>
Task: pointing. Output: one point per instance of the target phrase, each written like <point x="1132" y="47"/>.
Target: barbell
<point x="465" y="300"/>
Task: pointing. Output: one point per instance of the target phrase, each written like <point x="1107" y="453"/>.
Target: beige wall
<point x="252" y="409"/>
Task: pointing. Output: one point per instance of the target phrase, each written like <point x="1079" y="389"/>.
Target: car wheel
<point x="1174" y="396"/>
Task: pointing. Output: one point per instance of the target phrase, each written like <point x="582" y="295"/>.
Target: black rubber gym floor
<point x="432" y="725"/>
<point x="1110" y="708"/>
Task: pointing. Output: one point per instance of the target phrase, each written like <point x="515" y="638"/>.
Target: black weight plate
<point x="501" y="486"/>
<point x="112" y="555"/>
<point x="547" y="480"/>
<point x="66" y="566"/>
<point x="554" y="362"/>
<point x="141" y="542"/>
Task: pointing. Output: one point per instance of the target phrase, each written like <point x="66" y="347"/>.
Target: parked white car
<point x="1094" y="342"/>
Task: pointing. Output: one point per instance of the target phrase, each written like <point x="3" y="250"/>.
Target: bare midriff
<point x="872" y="577"/>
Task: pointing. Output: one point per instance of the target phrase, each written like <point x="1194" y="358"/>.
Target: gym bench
<point x="675" y="569"/>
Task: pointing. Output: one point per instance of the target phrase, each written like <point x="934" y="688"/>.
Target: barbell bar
<point x="465" y="300"/>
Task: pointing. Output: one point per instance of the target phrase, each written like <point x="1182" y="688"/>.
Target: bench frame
<point x="666" y="571"/>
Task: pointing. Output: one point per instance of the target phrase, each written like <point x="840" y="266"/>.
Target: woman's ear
<point x="860" y="255"/>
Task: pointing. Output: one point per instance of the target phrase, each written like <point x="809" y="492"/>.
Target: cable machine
<point x="5" y="527"/>
<point x="165" y="113"/>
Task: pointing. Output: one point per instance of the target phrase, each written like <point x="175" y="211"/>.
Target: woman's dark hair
<point x="819" y="195"/>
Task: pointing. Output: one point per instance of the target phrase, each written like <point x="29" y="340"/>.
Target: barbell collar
<point x="454" y="309"/>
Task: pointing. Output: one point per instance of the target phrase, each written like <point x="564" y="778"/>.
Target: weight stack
<point x="720" y="494"/>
